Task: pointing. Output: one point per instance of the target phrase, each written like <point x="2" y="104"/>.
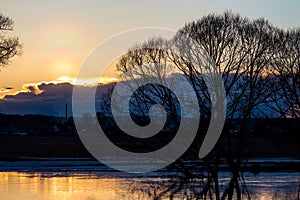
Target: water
<point x="86" y="179"/>
<point x="111" y="186"/>
<point x="24" y="186"/>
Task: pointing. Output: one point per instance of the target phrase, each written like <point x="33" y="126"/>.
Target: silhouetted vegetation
<point x="9" y="46"/>
<point x="36" y="125"/>
<point x="259" y="65"/>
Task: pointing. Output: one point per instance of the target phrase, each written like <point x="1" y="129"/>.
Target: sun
<point x="62" y="68"/>
<point x="65" y="79"/>
<point x="65" y="67"/>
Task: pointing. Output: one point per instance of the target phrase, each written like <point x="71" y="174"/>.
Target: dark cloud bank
<point x="44" y="99"/>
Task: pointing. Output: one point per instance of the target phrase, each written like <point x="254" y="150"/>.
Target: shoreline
<point x="17" y="152"/>
<point x="54" y="164"/>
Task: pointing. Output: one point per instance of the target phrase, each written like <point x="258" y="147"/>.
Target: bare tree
<point x="286" y="75"/>
<point x="9" y="45"/>
<point x="143" y="63"/>
<point x="243" y="51"/>
<point x="285" y="99"/>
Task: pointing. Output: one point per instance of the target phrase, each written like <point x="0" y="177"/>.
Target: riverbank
<point x="37" y="164"/>
<point x="42" y="153"/>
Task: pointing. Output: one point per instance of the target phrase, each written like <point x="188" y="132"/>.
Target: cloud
<point x="5" y="89"/>
<point x="33" y="88"/>
<point x="49" y="98"/>
<point x="45" y="98"/>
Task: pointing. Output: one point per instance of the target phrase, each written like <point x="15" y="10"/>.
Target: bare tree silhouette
<point x="242" y="50"/>
<point x="248" y="54"/>
<point x="9" y="45"/>
<point x="286" y="74"/>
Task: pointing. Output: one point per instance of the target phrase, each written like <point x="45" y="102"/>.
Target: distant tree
<point x="9" y="45"/>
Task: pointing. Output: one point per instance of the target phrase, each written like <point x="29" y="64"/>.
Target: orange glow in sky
<point x="57" y="36"/>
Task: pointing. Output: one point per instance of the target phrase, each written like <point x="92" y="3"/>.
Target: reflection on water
<point x="14" y="185"/>
<point x="50" y="186"/>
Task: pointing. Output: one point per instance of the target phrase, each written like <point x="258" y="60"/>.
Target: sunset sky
<point x="58" y="35"/>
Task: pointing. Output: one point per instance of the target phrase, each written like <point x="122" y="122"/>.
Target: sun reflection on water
<point x="53" y="186"/>
<point x="15" y="185"/>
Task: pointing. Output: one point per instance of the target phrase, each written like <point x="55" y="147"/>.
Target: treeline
<point x="36" y="125"/>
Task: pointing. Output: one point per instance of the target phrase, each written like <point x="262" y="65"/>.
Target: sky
<point x="58" y="35"/>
